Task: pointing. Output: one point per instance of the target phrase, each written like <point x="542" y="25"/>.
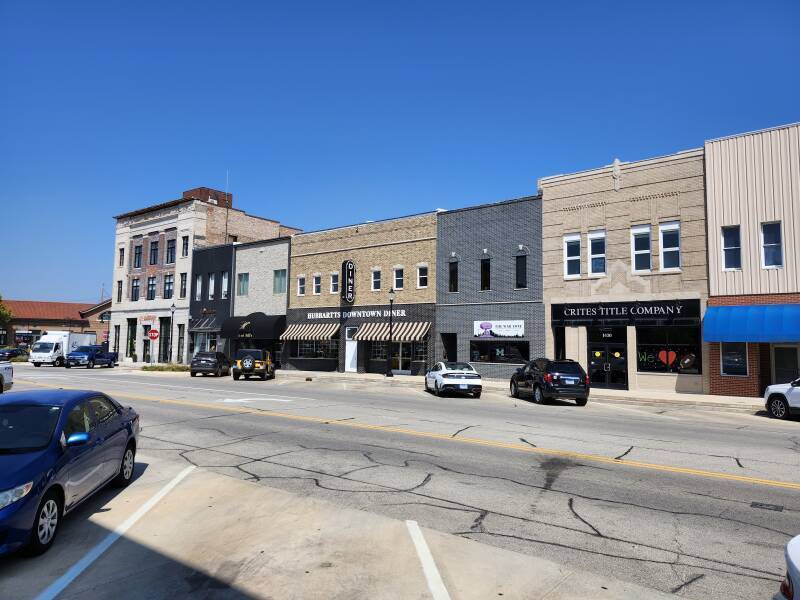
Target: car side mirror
<point x="796" y="382"/>
<point x="77" y="439"/>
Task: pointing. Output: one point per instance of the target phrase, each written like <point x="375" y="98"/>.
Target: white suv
<point x="783" y="399"/>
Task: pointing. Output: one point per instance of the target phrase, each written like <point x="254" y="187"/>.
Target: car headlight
<point x="18" y="493"/>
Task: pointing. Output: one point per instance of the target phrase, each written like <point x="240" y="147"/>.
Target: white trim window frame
<point x="722" y="362"/>
<point x="212" y="284"/>
<point x="420" y="275"/>
<point x="375" y="278"/>
<point x="729" y="248"/>
<point x="301" y="285"/>
<point x="334" y="284"/>
<point x="771" y="245"/>
<point x="316" y="284"/>
<point x="592" y="236"/>
<point x="641" y="232"/>
<point x="398" y="276"/>
<point x="572" y="259"/>
<point x="664" y="230"/>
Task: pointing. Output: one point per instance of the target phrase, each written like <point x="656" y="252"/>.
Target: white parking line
<point x="432" y="576"/>
<point x="60" y="584"/>
<point x="251" y="400"/>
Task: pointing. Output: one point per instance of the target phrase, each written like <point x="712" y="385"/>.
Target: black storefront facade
<point x="256" y="330"/>
<point x="627" y="345"/>
<point x="356" y="339"/>
<point x="210" y="304"/>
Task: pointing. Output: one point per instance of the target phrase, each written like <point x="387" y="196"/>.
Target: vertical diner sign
<point x="348" y="281"/>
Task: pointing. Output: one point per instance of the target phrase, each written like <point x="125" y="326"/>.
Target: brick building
<point x="624" y="272"/>
<point x="153" y="267"/>
<point x="489" y="286"/>
<point x="753" y="320"/>
<point x="339" y="285"/>
<point x="32" y="319"/>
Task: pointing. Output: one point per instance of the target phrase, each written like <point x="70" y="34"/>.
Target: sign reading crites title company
<point x="348" y="281"/>
<point x="490" y="329"/>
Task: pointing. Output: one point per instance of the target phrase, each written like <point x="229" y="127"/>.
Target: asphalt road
<point x="690" y="501"/>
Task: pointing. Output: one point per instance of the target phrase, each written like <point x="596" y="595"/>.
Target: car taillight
<point x="548" y="378"/>
<point x="787" y="588"/>
<point x="587" y="381"/>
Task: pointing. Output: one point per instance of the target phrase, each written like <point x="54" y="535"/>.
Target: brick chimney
<point x="211" y="196"/>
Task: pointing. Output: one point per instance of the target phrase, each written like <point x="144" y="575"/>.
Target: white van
<point x="52" y="348"/>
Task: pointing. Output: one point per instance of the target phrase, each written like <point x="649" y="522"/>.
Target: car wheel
<point x="219" y="372"/>
<point x="109" y="365"/>
<point x="90" y="364"/>
<point x="236" y="377"/>
<point x="37" y="364"/>
<point x="476" y="395"/>
<point x="581" y="401"/>
<point x="59" y="362"/>
<point x="436" y="389"/>
<point x="778" y="407"/>
<point x="45" y="527"/>
<point x="247" y="377"/>
<point x="538" y="397"/>
<point x="263" y="377"/>
<point x="125" y="475"/>
<point x="193" y="373"/>
<point x="514" y="390"/>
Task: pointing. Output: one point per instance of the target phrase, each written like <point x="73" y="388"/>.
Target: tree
<point x="5" y="314"/>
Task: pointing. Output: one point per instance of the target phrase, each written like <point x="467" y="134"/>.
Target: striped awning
<point x="401" y="332"/>
<point x="310" y="331"/>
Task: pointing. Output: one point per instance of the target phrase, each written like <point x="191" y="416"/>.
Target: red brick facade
<point x="754" y="299"/>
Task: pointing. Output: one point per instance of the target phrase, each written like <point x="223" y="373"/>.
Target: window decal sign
<point x="490" y="329"/>
<point x="349" y="281"/>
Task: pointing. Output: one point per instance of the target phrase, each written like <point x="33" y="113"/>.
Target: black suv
<point x="210" y="362"/>
<point x="544" y="379"/>
<point x="252" y="361"/>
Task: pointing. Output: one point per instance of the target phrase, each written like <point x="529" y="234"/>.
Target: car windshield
<point x="26" y="427"/>
<point x="565" y="368"/>
<point x="205" y="355"/>
<point x="458" y="366"/>
<point x="84" y="349"/>
<point x="257" y="354"/>
<point x="42" y="347"/>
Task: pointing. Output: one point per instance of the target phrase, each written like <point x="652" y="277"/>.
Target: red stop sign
<point x="153" y="334"/>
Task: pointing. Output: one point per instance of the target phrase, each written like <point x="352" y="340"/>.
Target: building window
<point x="667" y="349"/>
<point x="135" y="290"/>
<point x="486" y="274"/>
<point x="153" y="253"/>
<point x="317" y="349"/>
<point x="169" y="284"/>
<point x="572" y="256"/>
<point x="183" y="285"/>
<point x="521" y="271"/>
<point x="223" y="292"/>
<point x="242" y="284"/>
<point x="334" y="283"/>
<point x="422" y="277"/>
<point x="376" y="280"/>
<point x="733" y="358"/>
<point x="772" y="246"/>
<point x="212" y="284"/>
<point x="122" y="257"/>
<point x="301" y="286"/>
<point x="640" y="248"/>
<point x="137" y="257"/>
<point x="185" y="246"/>
<point x="453" y="278"/>
<point x="731" y="248"/>
<point x="119" y="291"/>
<point x="198" y="287"/>
<point x="378" y="350"/>
<point x="279" y="281"/>
<point x="499" y="352"/>
<point x="181" y="337"/>
<point x="151" y="288"/>
<point x="399" y="278"/>
<point x="116" y="338"/>
<point x="130" y="345"/>
<point x="170" y="252"/>
<point x="670" y="246"/>
<point x="317" y="280"/>
<point x="597" y="253"/>
<point x="233" y="238"/>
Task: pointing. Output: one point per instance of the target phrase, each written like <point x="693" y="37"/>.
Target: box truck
<point x="53" y="347"/>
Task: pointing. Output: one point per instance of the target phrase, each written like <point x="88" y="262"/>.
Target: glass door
<point x="401" y="357"/>
<point x="608" y="366"/>
<point x="597" y="365"/>
<point x="785" y="363"/>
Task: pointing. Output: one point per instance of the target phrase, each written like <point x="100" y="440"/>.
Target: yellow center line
<point x="446" y="437"/>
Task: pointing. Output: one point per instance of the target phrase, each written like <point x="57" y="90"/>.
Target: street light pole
<point x="389" y="351"/>
<point x="171" y="329"/>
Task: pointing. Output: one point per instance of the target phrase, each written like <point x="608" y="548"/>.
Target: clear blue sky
<point x="328" y="113"/>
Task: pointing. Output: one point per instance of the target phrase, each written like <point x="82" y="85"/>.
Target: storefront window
<point x="499" y="352"/>
<point x="420" y="352"/>
<point x="378" y="351"/>
<point x="317" y="349"/>
<point x="733" y="357"/>
<point x="668" y="350"/>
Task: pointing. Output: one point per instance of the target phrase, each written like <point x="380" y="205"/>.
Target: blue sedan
<point x="57" y="448"/>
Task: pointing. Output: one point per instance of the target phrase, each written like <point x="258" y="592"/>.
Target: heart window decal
<point x="667" y="356"/>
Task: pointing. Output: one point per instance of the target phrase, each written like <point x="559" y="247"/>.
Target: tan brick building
<point x="327" y="330"/>
<point x="624" y="272"/>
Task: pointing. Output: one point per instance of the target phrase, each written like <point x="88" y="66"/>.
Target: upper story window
<point x="731" y="248"/>
<point x="399" y="278"/>
<point x="640" y="248"/>
<point x="185" y="246"/>
<point x="521" y="271"/>
<point x="122" y="257"/>
<point x="422" y="277"/>
<point x="334" y="283"/>
<point x="572" y="256"/>
<point x="137" y="257"/>
<point x="453" y="276"/>
<point x="771" y="245"/>
<point x="198" y="287"/>
<point x="183" y="285"/>
<point x="119" y="291"/>
<point x="170" y="258"/>
<point x="486" y="274"/>
<point x="135" y="290"/>
<point x="670" y="247"/>
<point x="242" y="284"/>
<point x="151" y="288"/>
<point x="317" y="281"/>
<point x="376" y="280"/>
<point x="597" y="253"/>
<point x="223" y="292"/>
<point x="279" y="281"/>
<point x="153" y="253"/>
<point x="212" y="280"/>
<point x="301" y="286"/>
<point x="169" y="284"/>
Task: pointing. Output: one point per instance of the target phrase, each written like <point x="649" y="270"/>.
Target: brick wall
<point x="751" y="299"/>
<point x="749" y="385"/>
<point x="246" y="228"/>
<point x="261" y="261"/>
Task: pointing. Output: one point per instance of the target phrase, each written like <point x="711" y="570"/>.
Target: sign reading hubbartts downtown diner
<point x="356" y="314"/>
<point x="627" y="312"/>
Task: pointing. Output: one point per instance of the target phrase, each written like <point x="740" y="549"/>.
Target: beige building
<point x="339" y="285"/>
<point x="625" y="274"/>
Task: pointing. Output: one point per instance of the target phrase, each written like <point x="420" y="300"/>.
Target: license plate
<point x="463" y="386"/>
<point x="569" y="380"/>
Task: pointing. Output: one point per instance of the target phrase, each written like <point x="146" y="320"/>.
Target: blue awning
<point x="756" y="323"/>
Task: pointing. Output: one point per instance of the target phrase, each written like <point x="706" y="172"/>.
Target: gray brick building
<point x="489" y="286"/>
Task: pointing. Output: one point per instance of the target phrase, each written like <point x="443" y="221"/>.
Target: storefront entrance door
<point x="608" y="366"/>
<point x="401" y="357"/>
<point x="350" y="350"/>
<point x="786" y="363"/>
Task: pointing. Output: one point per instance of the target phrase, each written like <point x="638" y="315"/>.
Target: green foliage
<point x="5" y="313"/>
<point x="170" y="367"/>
